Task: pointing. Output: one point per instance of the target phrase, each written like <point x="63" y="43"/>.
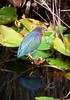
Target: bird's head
<point x="39" y="30"/>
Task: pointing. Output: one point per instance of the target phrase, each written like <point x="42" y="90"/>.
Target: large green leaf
<point x="46" y="43"/>
<point x="67" y="43"/>
<point x="62" y="46"/>
<point x="44" y="98"/>
<point x="58" y="44"/>
<point x="58" y="63"/>
<point x="7" y="15"/>
<point x="42" y="54"/>
<point x="9" y="37"/>
<point x="26" y="24"/>
<point x="30" y="23"/>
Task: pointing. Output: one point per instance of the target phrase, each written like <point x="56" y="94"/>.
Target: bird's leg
<point x="37" y="61"/>
<point x="31" y="58"/>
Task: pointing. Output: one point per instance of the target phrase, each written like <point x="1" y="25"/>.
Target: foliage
<point x="58" y="63"/>
<point x="62" y="46"/>
<point x="44" y="98"/>
<point x="7" y="15"/>
<point x="53" y="48"/>
<point x="9" y="37"/>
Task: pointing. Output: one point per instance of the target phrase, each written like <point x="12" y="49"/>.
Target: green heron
<point x="31" y="42"/>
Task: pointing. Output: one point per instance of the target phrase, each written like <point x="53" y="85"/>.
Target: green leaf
<point x="67" y="75"/>
<point x="58" y="44"/>
<point x="24" y="57"/>
<point x="67" y="35"/>
<point x="7" y="15"/>
<point x="58" y="63"/>
<point x="50" y="40"/>
<point x="61" y="29"/>
<point x="42" y="54"/>
<point x="31" y="24"/>
<point x="46" y="43"/>
<point x="24" y="31"/>
<point x="62" y="46"/>
<point x="44" y="98"/>
<point x="48" y="33"/>
<point x="66" y="41"/>
<point x="26" y="24"/>
<point x="9" y="37"/>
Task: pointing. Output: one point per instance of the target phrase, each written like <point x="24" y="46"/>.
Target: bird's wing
<point x="22" y="48"/>
<point x="32" y="45"/>
<point x="29" y="44"/>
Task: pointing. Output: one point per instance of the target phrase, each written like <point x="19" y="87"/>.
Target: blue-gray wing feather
<point x="29" y="44"/>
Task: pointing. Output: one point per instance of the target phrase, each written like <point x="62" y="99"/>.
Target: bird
<point x="31" y="42"/>
<point x="32" y="84"/>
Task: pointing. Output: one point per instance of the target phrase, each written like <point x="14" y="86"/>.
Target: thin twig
<point x="66" y="95"/>
<point x="6" y="70"/>
<point x="39" y="16"/>
<point x="68" y="14"/>
<point x="47" y="8"/>
<point x="59" y="14"/>
<point x="65" y="10"/>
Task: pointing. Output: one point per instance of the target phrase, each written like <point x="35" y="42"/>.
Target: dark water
<point x="11" y="89"/>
